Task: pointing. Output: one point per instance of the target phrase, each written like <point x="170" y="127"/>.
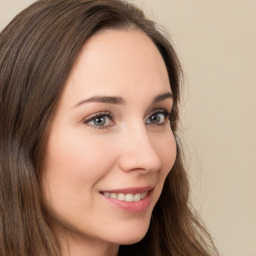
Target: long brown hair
<point x="37" y="51"/>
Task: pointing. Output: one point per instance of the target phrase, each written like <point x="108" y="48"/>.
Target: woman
<point x="89" y="111"/>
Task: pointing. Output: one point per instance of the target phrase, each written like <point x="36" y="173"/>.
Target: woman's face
<point x="110" y="144"/>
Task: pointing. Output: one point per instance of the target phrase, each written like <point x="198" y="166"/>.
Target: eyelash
<point x="163" y="112"/>
<point x="106" y="114"/>
<point x="97" y="116"/>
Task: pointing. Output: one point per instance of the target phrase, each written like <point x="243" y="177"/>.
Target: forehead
<point x="116" y="62"/>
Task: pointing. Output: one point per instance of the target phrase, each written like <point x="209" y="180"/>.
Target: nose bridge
<point x="138" y="152"/>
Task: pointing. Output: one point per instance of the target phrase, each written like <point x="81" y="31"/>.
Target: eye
<point x="158" y="117"/>
<point x="100" y="120"/>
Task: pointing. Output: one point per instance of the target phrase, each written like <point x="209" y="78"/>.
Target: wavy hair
<point x="37" y="51"/>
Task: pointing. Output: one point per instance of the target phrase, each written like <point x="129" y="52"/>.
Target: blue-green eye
<point x="159" y="117"/>
<point x="99" y="120"/>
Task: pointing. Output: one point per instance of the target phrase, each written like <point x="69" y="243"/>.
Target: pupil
<point x="100" y="121"/>
<point x="155" y="118"/>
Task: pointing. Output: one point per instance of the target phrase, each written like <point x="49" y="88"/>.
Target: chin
<point x="132" y="240"/>
<point x="131" y="235"/>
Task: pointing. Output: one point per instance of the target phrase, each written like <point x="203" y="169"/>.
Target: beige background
<point x="216" y="42"/>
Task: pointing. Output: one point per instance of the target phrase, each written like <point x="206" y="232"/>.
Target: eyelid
<point x="159" y="110"/>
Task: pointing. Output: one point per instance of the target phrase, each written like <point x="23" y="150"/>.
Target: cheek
<point x="73" y="166"/>
<point x="76" y="158"/>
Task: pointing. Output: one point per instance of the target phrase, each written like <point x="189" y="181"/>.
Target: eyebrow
<point x="120" y="101"/>
<point x="162" y="97"/>
<point x="103" y="99"/>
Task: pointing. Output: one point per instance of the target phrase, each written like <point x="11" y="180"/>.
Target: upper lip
<point x="131" y="190"/>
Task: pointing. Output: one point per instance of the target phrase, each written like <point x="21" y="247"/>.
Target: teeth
<point x="126" y="197"/>
<point x="137" y="197"/>
<point x="129" y="198"/>
<point x="113" y="195"/>
<point x="143" y="195"/>
<point x="121" y="197"/>
<point x="107" y="194"/>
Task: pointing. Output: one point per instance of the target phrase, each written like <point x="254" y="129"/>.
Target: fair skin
<point x="110" y="144"/>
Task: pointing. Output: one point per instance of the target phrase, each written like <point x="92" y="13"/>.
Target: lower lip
<point x="132" y="207"/>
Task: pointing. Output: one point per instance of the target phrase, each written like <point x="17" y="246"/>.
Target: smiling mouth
<point x="131" y="200"/>
<point x="126" y="197"/>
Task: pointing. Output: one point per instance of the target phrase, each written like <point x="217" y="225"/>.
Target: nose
<point x="137" y="153"/>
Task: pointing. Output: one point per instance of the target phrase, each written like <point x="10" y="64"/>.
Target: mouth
<point x="130" y="199"/>
<point x="126" y="197"/>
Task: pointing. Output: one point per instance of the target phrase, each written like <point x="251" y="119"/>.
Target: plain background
<point x="216" y="42"/>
